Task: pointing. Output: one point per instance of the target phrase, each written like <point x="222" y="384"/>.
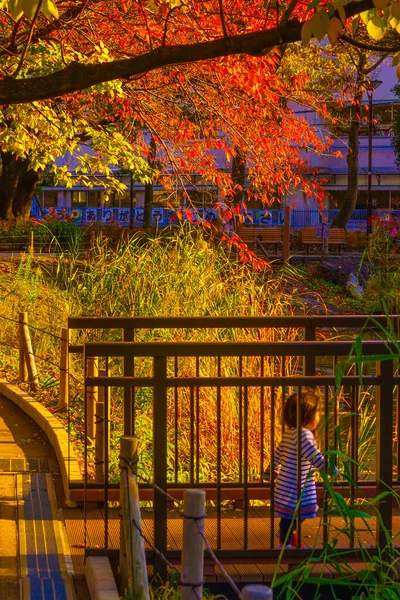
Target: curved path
<point x="34" y="561"/>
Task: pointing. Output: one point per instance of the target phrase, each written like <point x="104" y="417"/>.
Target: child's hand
<point x="267" y="474"/>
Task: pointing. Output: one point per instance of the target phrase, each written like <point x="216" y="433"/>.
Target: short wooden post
<point x="92" y="239"/>
<point x="286" y="233"/>
<point x="22" y="371"/>
<point x="257" y="592"/>
<point x="91" y="396"/>
<point x="136" y="581"/>
<point x="31" y="246"/>
<point x="64" y="360"/>
<point x="29" y="357"/>
<point x="193" y="544"/>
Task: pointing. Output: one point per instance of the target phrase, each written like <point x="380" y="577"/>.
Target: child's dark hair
<point x="309" y="406"/>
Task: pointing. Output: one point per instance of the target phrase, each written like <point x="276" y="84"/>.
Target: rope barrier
<point x="196" y="519"/>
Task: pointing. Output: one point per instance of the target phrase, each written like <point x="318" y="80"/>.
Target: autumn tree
<point x="150" y="49"/>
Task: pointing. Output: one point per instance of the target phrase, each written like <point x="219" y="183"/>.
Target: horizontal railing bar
<point x="348" y="321"/>
<point x="314" y="380"/>
<point x="295" y="348"/>
<point x="248" y="556"/>
<point x="234" y="486"/>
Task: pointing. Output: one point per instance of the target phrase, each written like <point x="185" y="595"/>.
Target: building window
<point x="78" y="198"/>
<point x="49" y="198"/>
<point x="94" y="199"/>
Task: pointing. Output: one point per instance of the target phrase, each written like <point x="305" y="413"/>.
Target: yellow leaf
<point x="364" y="16"/>
<point x="306" y="33"/>
<point x="395" y="10"/>
<point x="15" y="8"/>
<point x="29" y="7"/>
<point x="320" y="24"/>
<point x="380" y="4"/>
<point x="334" y="30"/>
<point x="398" y="72"/>
<point x="375" y="31"/>
<point x="49" y="9"/>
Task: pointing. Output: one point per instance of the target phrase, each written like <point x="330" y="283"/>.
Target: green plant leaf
<point x="320" y="24"/>
<point x="395" y="9"/>
<point x="306" y="33"/>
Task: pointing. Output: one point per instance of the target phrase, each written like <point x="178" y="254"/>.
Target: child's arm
<point x="310" y="451"/>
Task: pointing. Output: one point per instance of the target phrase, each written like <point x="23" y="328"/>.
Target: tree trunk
<point x="17" y="186"/>
<point x="349" y="202"/>
<point x="148" y="204"/>
<point x="148" y="189"/>
<point x="350" y="199"/>
<point x="24" y="193"/>
<point x="238" y="175"/>
<point x="8" y="184"/>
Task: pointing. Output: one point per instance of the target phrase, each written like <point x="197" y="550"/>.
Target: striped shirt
<point x="285" y="462"/>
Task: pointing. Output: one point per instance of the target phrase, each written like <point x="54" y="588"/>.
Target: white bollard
<point x="257" y="592"/>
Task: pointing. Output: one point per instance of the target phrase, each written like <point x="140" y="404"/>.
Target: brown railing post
<point x="64" y="357"/>
<point x="309" y="361"/>
<point x="286" y="234"/>
<point x="91" y="396"/>
<point x="384" y="459"/>
<point x="100" y="420"/>
<point x="160" y="463"/>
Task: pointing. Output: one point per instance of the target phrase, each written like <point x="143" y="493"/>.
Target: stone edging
<point x="52" y="427"/>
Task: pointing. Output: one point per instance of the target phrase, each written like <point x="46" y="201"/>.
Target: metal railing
<point x="185" y="388"/>
<point x="163" y="217"/>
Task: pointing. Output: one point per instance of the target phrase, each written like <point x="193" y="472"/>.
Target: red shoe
<point x="293" y="541"/>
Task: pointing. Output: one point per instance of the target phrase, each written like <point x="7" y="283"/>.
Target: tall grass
<point x="183" y="273"/>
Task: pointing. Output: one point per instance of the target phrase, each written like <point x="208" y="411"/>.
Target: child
<point x="285" y="463"/>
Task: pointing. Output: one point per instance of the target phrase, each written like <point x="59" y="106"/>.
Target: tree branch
<point x="373" y="47"/>
<point x="77" y="76"/>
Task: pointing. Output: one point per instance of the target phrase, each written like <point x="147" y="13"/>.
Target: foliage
<point x="142" y="60"/>
<point x="168" y="33"/>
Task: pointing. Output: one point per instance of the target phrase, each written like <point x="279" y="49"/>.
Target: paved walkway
<point x="34" y="555"/>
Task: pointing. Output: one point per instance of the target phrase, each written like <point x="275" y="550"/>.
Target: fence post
<point x="193" y="544"/>
<point x="309" y="361"/>
<point x="384" y="457"/>
<point x="31" y="246"/>
<point x="22" y="371"/>
<point x="135" y="567"/>
<point x="91" y="396"/>
<point x="64" y="356"/>
<point x="160" y="463"/>
<point x="28" y="351"/>
<point x="257" y="592"/>
<point x="99" y="443"/>
<point x="286" y="234"/>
